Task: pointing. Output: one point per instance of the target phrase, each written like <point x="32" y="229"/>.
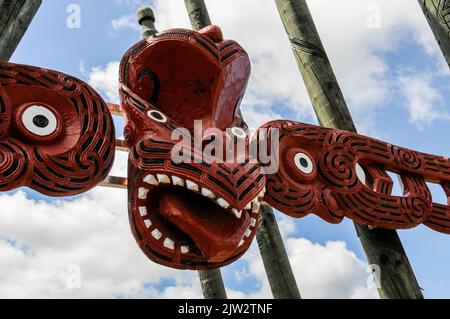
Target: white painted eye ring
<point x="239" y="132"/>
<point x="157" y="116"/>
<point x="39" y="120"/>
<point x="304" y="163"/>
<point x="361" y="174"/>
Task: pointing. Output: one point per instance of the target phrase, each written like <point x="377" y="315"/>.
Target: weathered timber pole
<point x="198" y="14"/>
<point x="382" y="247"/>
<point x="276" y="262"/>
<point x="15" y="18"/>
<point x="437" y="13"/>
<point x="270" y="242"/>
<point x="212" y="284"/>
<point x="146" y="19"/>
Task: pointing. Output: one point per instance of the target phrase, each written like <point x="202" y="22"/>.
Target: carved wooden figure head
<point x="56" y="133"/>
<point x="336" y="174"/>
<point x="200" y="213"/>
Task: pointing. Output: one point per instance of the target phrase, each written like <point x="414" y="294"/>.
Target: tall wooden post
<point x="15" y="18"/>
<point x="276" y="262"/>
<point x="212" y="284"/>
<point x="438" y="16"/>
<point x="146" y="19"/>
<point x="382" y="247"/>
<point x="198" y="13"/>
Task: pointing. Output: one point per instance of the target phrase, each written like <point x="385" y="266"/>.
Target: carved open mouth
<point x="184" y="221"/>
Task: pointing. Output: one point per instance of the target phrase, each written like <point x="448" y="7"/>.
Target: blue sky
<point x="394" y="79"/>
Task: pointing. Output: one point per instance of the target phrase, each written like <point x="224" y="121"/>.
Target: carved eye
<point x="304" y="163"/>
<point x="361" y="174"/>
<point x="157" y="116"/>
<point x="39" y="120"/>
<point x="239" y="132"/>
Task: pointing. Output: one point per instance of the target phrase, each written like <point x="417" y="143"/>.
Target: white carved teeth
<point x="169" y="243"/>
<point x="237" y="213"/>
<point x="192" y="186"/>
<point x="156" y="234"/>
<point x="207" y="193"/>
<point x="142" y="193"/>
<point x="248" y="232"/>
<point x="177" y="181"/>
<point x="163" y="179"/>
<point x="150" y="179"/>
<point x="159" y="179"/>
<point x="143" y="211"/>
<point x="223" y="203"/>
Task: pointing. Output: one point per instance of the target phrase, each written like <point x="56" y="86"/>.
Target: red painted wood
<point x="71" y="150"/>
<point x="180" y="76"/>
<point x="334" y="191"/>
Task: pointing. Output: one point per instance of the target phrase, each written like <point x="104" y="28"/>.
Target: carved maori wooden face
<point x="196" y="215"/>
<point x="336" y="174"/>
<point x="56" y="133"/>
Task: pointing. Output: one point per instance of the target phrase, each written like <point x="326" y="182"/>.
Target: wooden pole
<point x="198" y="14"/>
<point x="382" y="247"/>
<point x="212" y="284"/>
<point x="15" y="18"/>
<point x="146" y="19"/>
<point x="437" y="13"/>
<point x="276" y="262"/>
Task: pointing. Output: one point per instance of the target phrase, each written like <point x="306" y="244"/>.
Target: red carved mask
<point x="336" y="174"/>
<point x="56" y="133"/>
<point x="201" y="214"/>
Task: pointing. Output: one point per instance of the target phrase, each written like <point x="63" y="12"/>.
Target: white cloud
<point x="106" y="80"/>
<point x="40" y="240"/>
<point x="126" y="21"/>
<point x="424" y="101"/>
<point x="329" y="271"/>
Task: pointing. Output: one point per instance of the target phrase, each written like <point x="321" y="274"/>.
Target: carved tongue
<point x="214" y="230"/>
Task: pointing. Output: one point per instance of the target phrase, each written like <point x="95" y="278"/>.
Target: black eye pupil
<point x="40" y="121"/>
<point x="304" y="163"/>
<point x="157" y="116"/>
